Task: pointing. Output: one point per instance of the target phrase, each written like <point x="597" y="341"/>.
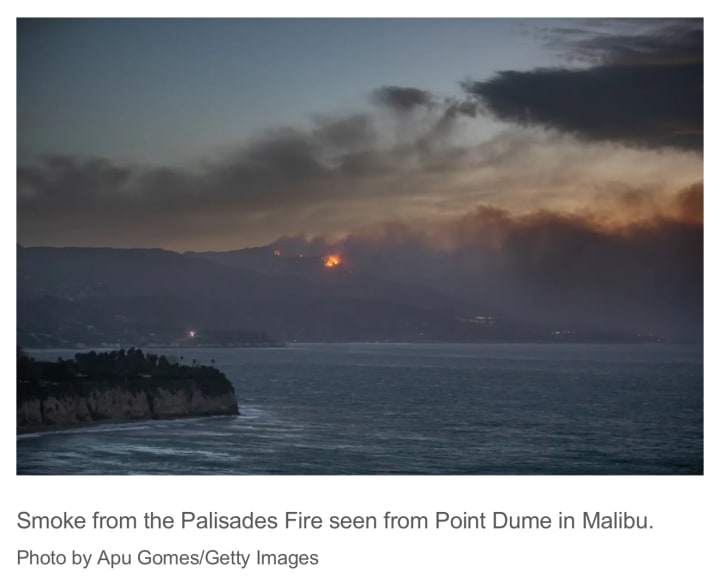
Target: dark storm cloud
<point x="353" y="132"/>
<point x="456" y="107"/>
<point x="662" y="42"/>
<point x="647" y="90"/>
<point x="399" y="98"/>
<point x="406" y="99"/>
<point x="282" y="156"/>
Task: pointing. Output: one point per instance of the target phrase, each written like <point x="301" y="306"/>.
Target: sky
<point x="222" y="134"/>
<point x="168" y="90"/>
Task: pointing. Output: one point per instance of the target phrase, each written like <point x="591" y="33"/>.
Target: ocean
<point x="427" y="409"/>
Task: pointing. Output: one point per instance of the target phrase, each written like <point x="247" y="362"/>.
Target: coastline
<point x="50" y="428"/>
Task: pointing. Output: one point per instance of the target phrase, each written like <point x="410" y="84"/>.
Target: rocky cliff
<point x="48" y="404"/>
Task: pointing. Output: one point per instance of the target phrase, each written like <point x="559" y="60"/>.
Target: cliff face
<point x="56" y="404"/>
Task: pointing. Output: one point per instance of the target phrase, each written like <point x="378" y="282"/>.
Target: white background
<point x="683" y="510"/>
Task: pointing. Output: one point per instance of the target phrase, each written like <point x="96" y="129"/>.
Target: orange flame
<point x="276" y="252"/>
<point x="332" y="261"/>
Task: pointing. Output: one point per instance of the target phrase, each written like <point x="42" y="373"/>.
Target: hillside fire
<point x="332" y="261"/>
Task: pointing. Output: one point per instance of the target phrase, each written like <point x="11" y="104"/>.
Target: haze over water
<point x="414" y="409"/>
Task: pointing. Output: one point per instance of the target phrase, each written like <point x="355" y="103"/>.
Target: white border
<point x="683" y="509"/>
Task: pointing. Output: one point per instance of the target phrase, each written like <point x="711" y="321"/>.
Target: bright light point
<point x="332" y="261"/>
<point x="276" y="252"/>
<point x="192" y="334"/>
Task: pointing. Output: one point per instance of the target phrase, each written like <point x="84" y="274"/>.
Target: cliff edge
<point x="121" y="385"/>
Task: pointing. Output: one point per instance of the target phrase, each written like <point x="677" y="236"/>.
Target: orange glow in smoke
<point x="332" y="261"/>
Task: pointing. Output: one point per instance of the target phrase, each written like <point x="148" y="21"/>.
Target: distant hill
<point x="139" y="296"/>
<point x="74" y="297"/>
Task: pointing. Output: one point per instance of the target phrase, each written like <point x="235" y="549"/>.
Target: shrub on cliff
<point x="131" y="367"/>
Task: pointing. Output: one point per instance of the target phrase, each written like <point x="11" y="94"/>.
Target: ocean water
<point x="472" y="409"/>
